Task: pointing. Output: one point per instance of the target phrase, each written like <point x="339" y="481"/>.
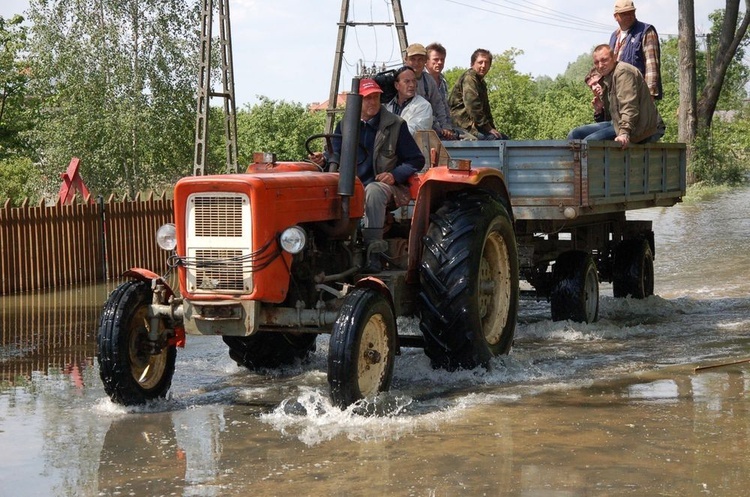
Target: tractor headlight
<point x="166" y="236"/>
<point x="293" y="239"/>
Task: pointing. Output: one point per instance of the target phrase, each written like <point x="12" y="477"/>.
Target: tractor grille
<point x="218" y="243"/>
<point x="218" y="216"/>
<point x="219" y="270"/>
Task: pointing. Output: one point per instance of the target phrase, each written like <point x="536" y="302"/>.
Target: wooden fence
<point x="83" y="242"/>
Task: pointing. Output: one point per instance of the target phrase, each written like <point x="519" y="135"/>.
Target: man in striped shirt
<point x="637" y="43"/>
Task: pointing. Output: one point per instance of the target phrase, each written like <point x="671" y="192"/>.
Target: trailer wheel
<point x="469" y="282"/>
<point x="575" y="288"/>
<point x="362" y="348"/>
<point x="269" y="350"/>
<point x="130" y="370"/>
<point x="634" y="269"/>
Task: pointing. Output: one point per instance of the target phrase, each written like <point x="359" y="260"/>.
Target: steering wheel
<point x="329" y="146"/>
<point x="328" y="138"/>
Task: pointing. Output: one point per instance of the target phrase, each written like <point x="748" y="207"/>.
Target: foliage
<point x="564" y="104"/>
<point x="733" y="90"/>
<point x="579" y="68"/>
<point x="15" y="109"/>
<point x="670" y="76"/>
<point x="117" y="84"/>
<point x="721" y="154"/>
<point x="18" y="180"/>
<point x="512" y="97"/>
<point x="278" y="127"/>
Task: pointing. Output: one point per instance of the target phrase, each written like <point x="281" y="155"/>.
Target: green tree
<point x="512" y="97"/>
<point x="117" y="84"/>
<point x="16" y="111"/>
<point x="19" y="180"/>
<point x="563" y="104"/>
<point x="278" y="127"/>
<point x="729" y="35"/>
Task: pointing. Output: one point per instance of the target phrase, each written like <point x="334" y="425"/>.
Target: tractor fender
<point x="378" y="285"/>
<point x="432" y="189"/>
<point x="437" y="182"/>
<point x="137" y="273"/>
<point x="141" y="274"/>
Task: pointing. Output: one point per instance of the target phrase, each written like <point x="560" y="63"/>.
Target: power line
<point x="591" y="28"/>
<point x="532" y="8"/>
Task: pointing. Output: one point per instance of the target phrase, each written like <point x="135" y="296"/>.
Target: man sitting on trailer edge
<point x="390" y="157"/>
<point x="634" y="115"/>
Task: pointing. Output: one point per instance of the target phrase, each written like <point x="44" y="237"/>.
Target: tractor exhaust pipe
<point x="349" y="143"/>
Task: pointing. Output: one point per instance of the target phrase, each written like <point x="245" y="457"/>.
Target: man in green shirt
<point x="469" y="101"/>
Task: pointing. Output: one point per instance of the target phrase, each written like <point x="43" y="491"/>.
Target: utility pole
<point x="398" y="22"/>
<point x="204" y="87"/>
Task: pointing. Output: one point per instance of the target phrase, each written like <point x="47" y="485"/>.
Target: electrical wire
<point x="560" y="23"/>
<point x="549" y="13"/>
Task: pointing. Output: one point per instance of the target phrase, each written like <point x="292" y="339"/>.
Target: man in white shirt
<point x="412" y="108"/>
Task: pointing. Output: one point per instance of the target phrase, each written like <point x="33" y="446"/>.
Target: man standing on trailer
<point x="637" y="43"/>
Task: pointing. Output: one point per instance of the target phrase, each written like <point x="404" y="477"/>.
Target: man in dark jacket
<point x="390" y="157"/>
<point x="637" y="43"/>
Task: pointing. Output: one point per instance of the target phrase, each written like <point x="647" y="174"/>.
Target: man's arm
<point x="418" y="115"/>
<point x="651" y="55"/>
<point x="626" y="95"/>
<point x="410" y="158"/>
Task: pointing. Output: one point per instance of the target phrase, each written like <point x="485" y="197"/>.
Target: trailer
<point x="569" y="201"/>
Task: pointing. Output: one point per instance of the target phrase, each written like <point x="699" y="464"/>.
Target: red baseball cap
<point x="368" y="86"/>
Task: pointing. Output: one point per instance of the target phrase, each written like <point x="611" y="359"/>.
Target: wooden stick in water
<point x="701" y="368"/>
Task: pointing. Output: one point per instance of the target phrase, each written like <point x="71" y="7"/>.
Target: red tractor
<point x="271" y="258"/>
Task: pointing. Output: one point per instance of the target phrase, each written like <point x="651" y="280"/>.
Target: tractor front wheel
<point x="362" y="348"/>
<point x="133" y="369"/>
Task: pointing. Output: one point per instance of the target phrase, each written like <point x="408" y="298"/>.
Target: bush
<point x="19" y="179"/>
<point x="720" y="155"/>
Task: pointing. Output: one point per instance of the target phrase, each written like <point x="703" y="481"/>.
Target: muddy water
<point x="610" y="408"/>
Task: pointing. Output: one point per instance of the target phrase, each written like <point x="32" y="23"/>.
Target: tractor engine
<point x="250" y="241"/>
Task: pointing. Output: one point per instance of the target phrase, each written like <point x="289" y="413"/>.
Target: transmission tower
<point x="204" y="87"/>
<point x="398" y="22"/>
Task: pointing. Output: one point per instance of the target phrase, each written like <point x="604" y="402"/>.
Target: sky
<point x="284" y="49"/>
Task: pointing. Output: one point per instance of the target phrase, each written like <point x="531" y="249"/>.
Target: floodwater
<point x="604" y="409"/>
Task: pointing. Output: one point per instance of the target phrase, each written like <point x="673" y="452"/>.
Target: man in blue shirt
<point x="387" y="158"/>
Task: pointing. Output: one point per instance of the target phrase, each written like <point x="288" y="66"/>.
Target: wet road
<point x="609" y="408"/>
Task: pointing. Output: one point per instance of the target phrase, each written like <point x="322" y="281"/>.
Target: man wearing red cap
<point x="637" y="43"/>
<point x="390" y="157"/>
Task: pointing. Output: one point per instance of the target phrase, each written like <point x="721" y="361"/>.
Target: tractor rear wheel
<point x="133" y="369"/>
<point x="270" y="350"/>
<point x="469" y="282"/>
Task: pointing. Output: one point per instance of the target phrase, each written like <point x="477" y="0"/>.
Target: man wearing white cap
<point x="637" y="43"/>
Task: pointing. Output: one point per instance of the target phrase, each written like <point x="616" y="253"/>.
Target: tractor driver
<point x="392" y="157"/>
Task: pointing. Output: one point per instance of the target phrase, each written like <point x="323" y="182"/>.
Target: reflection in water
<point x="607" y="408"/>
<point x="49" y="330"/>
